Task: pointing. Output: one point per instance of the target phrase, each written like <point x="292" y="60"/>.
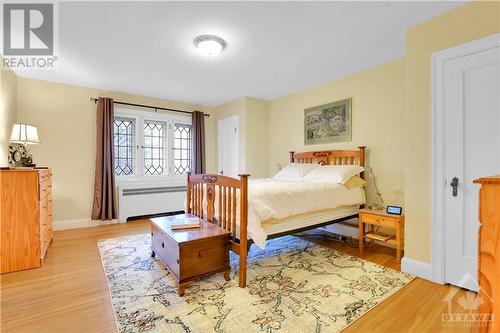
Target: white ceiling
<point x="274" y="48"/>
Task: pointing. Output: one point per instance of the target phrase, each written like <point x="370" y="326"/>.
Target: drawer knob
<point x="162" y="245"/>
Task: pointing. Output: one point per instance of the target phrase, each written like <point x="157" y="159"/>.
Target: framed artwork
<point x="328" y="123"/>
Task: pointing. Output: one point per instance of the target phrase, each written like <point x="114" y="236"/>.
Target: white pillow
<point x="295" y="171"/>
<point x="338" y="174"/>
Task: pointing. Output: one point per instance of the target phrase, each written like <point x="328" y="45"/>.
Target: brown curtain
<point x="198" y="150"/>
<point x="104" y="206"/>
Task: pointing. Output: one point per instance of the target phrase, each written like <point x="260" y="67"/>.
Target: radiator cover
<point x="145" y="200"/>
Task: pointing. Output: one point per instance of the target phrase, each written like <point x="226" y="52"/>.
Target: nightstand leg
<point x="398" y="243"/>
<point x="361" y="236"/>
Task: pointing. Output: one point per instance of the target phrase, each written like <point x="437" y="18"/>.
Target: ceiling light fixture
<point x="209" y="44"/>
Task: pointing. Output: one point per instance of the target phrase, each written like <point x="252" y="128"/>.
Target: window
<point x="153" y="148"/>
<point x="182" y="148"/>
<point x="124" y="129"/>
<point x="150" y="145"/>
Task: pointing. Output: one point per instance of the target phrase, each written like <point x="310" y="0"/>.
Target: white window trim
<point x="140" y="177"/>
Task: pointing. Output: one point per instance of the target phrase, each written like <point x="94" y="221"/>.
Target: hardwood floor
<point x="69" y="292"/>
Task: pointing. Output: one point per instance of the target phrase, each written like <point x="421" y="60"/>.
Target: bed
<point x="256" y="210"/>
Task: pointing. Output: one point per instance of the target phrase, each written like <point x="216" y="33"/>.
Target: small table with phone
<point x="391" y="218"/>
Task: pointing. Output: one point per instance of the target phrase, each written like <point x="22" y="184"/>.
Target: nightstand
<point x="380" y="218"/>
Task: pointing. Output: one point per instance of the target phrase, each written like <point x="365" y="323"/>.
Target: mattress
<point x="275" y="226"/>
<point x="270" y="201"/>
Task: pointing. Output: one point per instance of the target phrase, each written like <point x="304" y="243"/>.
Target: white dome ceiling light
<point x="210" y="45"/>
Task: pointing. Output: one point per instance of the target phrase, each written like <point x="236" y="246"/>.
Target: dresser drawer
<point x="44" y="208"/>
<point x="44" y="245"/>
<point x="167" y="249"/>
<point x="43" y="175"/>
<point x="46" y="234"/>
<point x="384" y="221"/>
<point x="45" y="188"/>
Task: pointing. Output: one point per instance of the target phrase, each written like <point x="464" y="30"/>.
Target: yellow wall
<point x="257" y="141"/>
<point x="8" y="107"/>
<point x="254" y="131"/>
<point x="66" y="119"/>
<point x="464" y="24"/>
<point x="378" y="100"/>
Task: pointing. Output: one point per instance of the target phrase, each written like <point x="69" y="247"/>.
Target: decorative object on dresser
<point x="489" y="251"/>
<point x="328" y="123"/>
<point x="190" y="253"/>
<point x="21" y="137"/>
<point x="25" y="217"/>
<point x="380" y="218"/>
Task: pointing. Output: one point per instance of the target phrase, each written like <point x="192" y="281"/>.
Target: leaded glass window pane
<point x="124" y="143"/>
<point x="182" y="148"/>
<point x="154" y="134"/>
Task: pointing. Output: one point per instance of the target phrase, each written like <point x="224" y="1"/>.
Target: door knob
<point x="454" y="185"/>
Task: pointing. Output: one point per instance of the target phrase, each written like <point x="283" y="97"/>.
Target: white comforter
<point x="275" y="199"/>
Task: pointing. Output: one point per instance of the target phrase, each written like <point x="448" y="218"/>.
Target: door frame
<point x="231" y="119"/>
<point x="438" y="263"/>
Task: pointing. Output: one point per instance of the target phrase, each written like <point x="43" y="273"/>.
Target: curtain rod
<point x="150" y="107"/>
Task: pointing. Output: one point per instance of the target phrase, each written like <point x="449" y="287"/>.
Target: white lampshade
<point x="25" y="134"/>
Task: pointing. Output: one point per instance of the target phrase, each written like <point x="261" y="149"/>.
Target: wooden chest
<point x="190" y="253"/>
<point x="25" y="217"/>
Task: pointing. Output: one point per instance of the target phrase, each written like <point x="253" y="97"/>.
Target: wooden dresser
<point x="25" y="217"/>
<point x="489" y="250"/>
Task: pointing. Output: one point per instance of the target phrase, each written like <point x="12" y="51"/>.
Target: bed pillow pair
<point x="338" y="174"/>
<point x="295" y="171"/>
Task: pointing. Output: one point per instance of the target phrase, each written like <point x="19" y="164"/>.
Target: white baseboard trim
<point x="417" y="268"/>
<point x="79" y="223"/>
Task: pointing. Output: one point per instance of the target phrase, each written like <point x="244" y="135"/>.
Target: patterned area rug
<point x="293" y="286"/>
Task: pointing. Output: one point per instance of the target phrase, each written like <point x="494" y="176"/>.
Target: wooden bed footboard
<point x="205" y="192"/>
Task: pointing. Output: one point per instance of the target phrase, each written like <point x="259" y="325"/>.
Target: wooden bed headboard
<point x="331" y="157"/>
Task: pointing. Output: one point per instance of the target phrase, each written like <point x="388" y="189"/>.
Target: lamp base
<point x="375" y="207"/>
<point x="19" y="156"/>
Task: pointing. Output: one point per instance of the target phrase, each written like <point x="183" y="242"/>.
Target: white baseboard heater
<point x="149" y="200"/>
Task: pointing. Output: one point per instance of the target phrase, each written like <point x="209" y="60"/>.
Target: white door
<point x="471" y="106"/>
<point x="229" y="146"/>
